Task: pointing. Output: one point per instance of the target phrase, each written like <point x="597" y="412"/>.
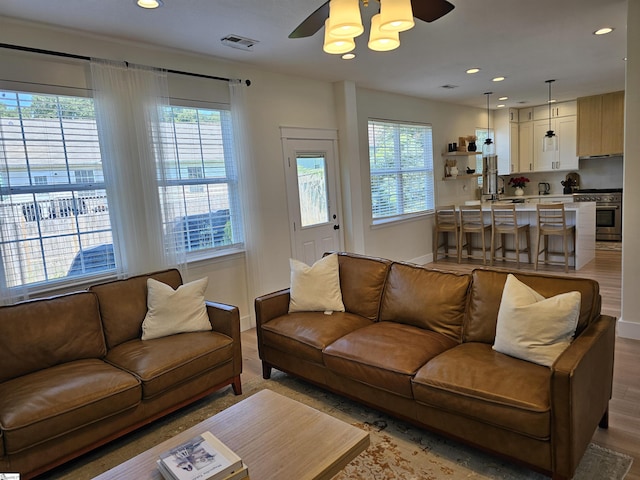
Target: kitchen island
<point x="580" y="214"/>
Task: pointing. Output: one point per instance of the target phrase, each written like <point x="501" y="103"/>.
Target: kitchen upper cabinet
<point x="562" y="109"/>
<point x="507" y="141"/>
<point x="564" y="156"/>
<point x="525" y="147"/>
<point x="601" y="124"/>
<point x="525" y="114"/>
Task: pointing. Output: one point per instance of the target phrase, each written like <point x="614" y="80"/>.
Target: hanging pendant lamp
<point x="550" y="140"/>
<point x="488" y="146"/>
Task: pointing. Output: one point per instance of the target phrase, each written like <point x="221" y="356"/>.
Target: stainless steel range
<point x="608" y="211"/>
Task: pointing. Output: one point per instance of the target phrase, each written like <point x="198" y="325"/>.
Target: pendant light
<point x="550" y="140"/>
<point x="488" y="147"/>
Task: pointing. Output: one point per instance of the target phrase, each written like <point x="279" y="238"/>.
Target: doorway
<point x="310" y="162"/>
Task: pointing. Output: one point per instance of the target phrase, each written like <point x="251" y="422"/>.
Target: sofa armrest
<point x="581" y="386"/>
<point x="271" y="306"/>
<point x="225" y="319"/>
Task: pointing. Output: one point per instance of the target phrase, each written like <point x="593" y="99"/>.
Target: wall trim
<point x="628" y="329"/>
<point x="423" y="259"/>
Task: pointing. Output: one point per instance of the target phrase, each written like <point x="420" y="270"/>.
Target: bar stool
<point x="505" y="222"/>
<point x="446" y="222"/>
<point x="472" y="221"/>
<point x="552" y="221"/>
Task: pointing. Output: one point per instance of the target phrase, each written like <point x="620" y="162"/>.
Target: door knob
<point x="336" y="227"/>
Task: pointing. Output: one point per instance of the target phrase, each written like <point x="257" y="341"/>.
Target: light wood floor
<point x="623" y="434"/>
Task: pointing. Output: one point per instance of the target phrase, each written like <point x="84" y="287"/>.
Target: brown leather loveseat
<point x="74" y="373"/>
<point x="417" y="343"/>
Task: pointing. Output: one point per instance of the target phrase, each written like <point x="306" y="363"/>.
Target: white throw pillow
<point x="172" y="311"/>
<point x="316" y="288"/>
<point x="532" y="327"/>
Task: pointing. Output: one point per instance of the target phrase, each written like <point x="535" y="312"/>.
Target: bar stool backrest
<point x="446" y="216"/>
<point x="471" y="215"/>
<point x="504" y="215"/>
<point x="551" y="215"/>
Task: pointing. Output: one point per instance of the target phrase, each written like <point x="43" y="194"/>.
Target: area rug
<point x="398" y="450"/>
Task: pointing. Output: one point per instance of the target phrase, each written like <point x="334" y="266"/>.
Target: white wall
<point x="411" y="240"/>
<point x="629" y="325"/>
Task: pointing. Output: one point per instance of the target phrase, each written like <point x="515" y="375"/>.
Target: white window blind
<point x="401" y="168"/>
<point x="204" y="179"/>
<point x="53" y="204"/>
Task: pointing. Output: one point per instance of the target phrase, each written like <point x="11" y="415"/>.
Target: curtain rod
<point x="88" y="59"/>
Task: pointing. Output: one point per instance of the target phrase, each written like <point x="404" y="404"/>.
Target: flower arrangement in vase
<point x="519" y="183"/>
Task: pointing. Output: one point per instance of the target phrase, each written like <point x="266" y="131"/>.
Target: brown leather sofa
<point x="417" y="343"/>
<point x="75" y="375"/>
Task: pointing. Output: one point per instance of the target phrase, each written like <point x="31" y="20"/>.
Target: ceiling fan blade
<point x="312" y="23"/>
<point x="430" y="10"/>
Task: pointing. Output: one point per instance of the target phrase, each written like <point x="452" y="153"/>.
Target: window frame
<point x="427" y="168"/>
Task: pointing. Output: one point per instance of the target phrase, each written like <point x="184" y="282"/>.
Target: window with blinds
<point x="54" y="213"/>
<point x="401" y="168"/>
<point x="203" y="180"/>
<point x="53" y="205"/>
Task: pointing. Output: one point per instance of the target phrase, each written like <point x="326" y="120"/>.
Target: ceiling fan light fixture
<point x="149" y="4"/>
<point x="381" y="40"/>
<point x="336" y="45"/>
<point x="344" y="18"/>
<point x="396" y="15"/>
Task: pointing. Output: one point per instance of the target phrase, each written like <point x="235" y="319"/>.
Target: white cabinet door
<point x="506" y="141"/>
<point x="525" y="147"/>
<point x="544" y="160"/>
<point x="564" y="156"/>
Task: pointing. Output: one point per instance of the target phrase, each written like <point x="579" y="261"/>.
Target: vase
<point x="519" y="191"/>
<point x="472" y="147"/>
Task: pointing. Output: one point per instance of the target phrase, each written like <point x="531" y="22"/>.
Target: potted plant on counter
<point x="519" y="183"/>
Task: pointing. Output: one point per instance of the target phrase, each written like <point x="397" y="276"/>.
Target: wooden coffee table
<point x="278" y="438"/>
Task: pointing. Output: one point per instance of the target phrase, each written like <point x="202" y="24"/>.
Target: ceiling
<point x="526" y="41"/>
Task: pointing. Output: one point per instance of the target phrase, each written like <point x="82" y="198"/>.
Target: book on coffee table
<point x="203" y="457"/>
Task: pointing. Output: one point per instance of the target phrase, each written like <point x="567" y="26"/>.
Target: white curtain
<point x="137" y="152"/>
<point x="248" y="188"/>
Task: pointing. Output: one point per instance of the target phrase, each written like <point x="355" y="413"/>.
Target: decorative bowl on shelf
<point x="470" y="171"/>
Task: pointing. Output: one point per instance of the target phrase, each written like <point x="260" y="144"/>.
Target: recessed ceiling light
<point x="500" y="105"/>
<point x="603" y="31"/>
<point x="473" y="70"/>
<point x="149" y="3"/>
<point x="553" y="100"/>
<point x="348" y="56"/>
<point x="502" y="99"/>
<point x="498" y="79"/>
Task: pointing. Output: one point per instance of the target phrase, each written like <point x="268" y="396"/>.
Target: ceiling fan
<point x="426" y="10"/>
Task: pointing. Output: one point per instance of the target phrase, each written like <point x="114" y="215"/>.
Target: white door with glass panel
<point x="312" y="197"/>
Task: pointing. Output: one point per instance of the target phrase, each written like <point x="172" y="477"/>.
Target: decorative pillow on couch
<point x="532" y="327"/>
<point x="172" y="311"/>
<point x="316" y="288"/>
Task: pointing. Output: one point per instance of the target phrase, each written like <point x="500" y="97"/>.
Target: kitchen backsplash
<point x="594" y="173"/>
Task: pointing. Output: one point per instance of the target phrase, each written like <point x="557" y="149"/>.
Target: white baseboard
<point x="422" y="260"/>
<point x="246" y="323"/>
<point x="628" y="329"/>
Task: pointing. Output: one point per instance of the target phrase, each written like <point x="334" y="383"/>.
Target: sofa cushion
<point x="163" y="363"/>
<point x="532" y="327"/>
<point x="427" y="299"/>
<point x="306" y="334"/>
<point x="49" y="403"/>
<point x="486" y="292"/>
<point x="175" y="311"/>
<point x="39" y="334"/>
<point x="385" y="354"/>
<point x="475" y="381"/>
<point x="315" y="288"/>
<point x="123" y="304"/>
<point x="362" y="282"/>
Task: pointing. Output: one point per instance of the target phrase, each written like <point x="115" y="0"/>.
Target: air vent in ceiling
<point x="449" y="87"/>
<point x="236" y="41"/>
